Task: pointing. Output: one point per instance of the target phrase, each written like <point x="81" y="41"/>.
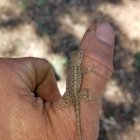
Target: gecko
<point x="74" y="93"/>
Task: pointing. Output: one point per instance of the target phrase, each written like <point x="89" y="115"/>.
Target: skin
<point x="30" y="102"/>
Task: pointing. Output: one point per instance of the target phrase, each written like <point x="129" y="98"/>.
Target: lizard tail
<point x="78" y="120"/>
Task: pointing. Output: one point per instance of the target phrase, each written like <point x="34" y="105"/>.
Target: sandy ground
<point x="51" y="30"/>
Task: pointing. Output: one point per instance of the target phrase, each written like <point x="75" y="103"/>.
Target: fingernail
<point x="105" y="32"/>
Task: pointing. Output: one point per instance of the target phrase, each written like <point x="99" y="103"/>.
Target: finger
<point x="97" y="45"/>
<point x="45" y="86"/>
<point x="28" y="76"/>
<point x="99" y="52"/>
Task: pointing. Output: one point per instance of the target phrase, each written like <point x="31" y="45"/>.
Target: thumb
<point x="97" y="45"/>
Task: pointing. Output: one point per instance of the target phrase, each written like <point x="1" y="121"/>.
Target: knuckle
<point x="41" y="62"/>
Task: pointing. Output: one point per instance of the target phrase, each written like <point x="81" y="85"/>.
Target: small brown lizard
<point x="74" y="93"/>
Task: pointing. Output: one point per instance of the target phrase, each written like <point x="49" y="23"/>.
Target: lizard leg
<point x="68" y="100"/>
<point x="88" y="69"/>
<point x="84" y="93"/>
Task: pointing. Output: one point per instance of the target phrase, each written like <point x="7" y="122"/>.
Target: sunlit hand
<point x="30" y="102"/>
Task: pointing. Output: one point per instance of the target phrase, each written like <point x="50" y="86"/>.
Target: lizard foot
<point x="84" y="93"/>
<point x="88" y="69"/>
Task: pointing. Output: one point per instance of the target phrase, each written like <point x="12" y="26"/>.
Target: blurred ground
<point x="51" y="30"/>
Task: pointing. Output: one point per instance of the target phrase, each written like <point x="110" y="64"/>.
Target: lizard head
<point x="76" y="58"/>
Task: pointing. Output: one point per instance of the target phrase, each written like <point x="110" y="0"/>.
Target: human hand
<point x="30" y="99"/>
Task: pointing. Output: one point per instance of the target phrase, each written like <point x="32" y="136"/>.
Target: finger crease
<point x="99" y="62"/>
